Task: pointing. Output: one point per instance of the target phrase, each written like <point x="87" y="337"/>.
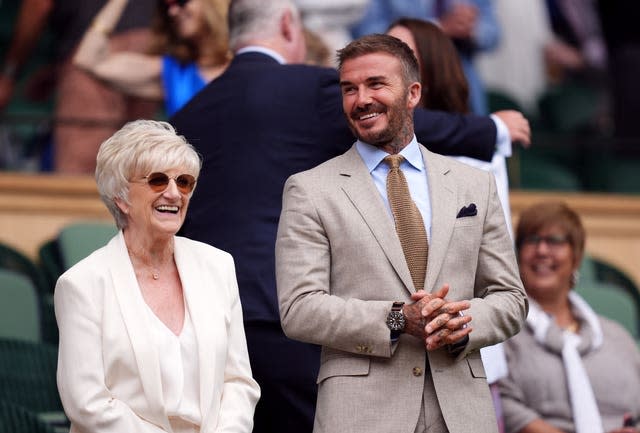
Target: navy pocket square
<point x="467" y="211"/>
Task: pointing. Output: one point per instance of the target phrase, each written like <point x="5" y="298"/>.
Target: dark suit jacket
<point x="256" y="125"/>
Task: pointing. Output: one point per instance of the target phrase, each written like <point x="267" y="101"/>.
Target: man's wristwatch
<point x="396" y="320"/>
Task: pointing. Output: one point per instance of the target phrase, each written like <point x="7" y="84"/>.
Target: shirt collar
<point x="264" y="50"/>
<point x="373" y="156"/>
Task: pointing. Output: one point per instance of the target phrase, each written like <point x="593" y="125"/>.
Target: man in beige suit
<point x="398" y="353"/>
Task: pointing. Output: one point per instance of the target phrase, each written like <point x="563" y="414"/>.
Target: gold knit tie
<point x="409" y="223"/>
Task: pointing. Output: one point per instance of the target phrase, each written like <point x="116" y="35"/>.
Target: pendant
<point x="155" y="275"/>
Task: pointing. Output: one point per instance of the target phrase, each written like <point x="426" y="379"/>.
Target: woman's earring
<point x="575" y="278"/>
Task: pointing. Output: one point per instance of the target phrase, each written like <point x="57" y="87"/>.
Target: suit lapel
<point x="356" y="182"/>
<point x="203" y="310"/>
<point x="442" y="194"/>
<point x="132" y="307"/>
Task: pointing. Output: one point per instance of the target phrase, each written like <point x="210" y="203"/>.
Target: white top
<point x="179" y="368"/>
<point x="332" y="19"/>
<point x="517" y="65"/>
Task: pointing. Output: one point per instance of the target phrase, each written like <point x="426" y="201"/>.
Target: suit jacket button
<point x="417" y="371"/>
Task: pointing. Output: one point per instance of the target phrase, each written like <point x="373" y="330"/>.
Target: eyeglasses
<point x="169" y="3"/>
<point x="553" y="241"/>
<point x="160" y="181"/>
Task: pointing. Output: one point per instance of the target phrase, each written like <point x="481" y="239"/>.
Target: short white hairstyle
<point x="256" y="19"/>
<point x="137" y="149"/>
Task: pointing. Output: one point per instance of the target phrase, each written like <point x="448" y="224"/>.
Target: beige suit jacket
<point x="339" y="266"/>
<point x="109" y="372"/>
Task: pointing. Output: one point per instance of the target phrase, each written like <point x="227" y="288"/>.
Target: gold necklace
<point x="573" y="327"/>
<point x="155" y="273"/>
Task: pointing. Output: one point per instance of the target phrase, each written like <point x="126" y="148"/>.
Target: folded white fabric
<point x="586" y="415"/>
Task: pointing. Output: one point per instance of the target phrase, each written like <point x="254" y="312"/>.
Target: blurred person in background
<point x="331" y="20"/>
<point x="577" y="50"/>
<point x="620" y="31"/>
<point x="516" y="67"/>
<point x="470" y="23"/>
<point x="318" y="52"/>
<point x="86" y="111"/>
<point x="570" y="370"/>
<point x="151" y="333"/>
<point x="190" y="49"/>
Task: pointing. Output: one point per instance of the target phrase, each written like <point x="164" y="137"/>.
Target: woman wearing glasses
<point x="151" y="333"/>
<point x="190" y="49"/>
<point x="570" y="370"/>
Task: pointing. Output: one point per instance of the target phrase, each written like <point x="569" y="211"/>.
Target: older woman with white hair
<point x="151" y="332"/>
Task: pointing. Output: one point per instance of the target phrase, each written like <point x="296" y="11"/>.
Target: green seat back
<point x="28" y="375"/>
<point x="19" y="307"/>
<point x="78" y="240"/>
<point x="612" y="302"/>
<point x="540" y="173"/>
<point x="11" y="258"/>
<point x="50" y="262"/>
<point x="17" y="419"/>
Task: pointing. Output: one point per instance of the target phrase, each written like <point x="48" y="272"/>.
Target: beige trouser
<point x="431" y="420"/>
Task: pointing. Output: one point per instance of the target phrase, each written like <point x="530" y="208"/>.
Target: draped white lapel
<point x="586" y="415"/>
<point x="131" y="305"/>
<point x="204" y="297"/>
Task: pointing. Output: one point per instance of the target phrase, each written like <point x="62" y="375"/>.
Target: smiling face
<point x="547" y="261"/>
<point x="152" y="214"/>
<point x="377" y="101"/>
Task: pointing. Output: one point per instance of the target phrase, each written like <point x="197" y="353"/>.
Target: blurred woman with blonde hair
<point x="190" y="49"/>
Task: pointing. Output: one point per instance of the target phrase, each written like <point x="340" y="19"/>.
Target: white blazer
<point x="108" y="371"/>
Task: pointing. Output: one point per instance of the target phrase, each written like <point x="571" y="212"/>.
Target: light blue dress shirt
<point x="414" y="171"/>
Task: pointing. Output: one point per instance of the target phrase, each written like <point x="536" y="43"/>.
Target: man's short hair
<point x="380" y="43"/>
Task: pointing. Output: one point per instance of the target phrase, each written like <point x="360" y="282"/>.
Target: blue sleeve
<point x="180" y="83"/>
<point x="488" y="33"/>
<point x="375" y="20"/>
<point x="169" y="66"/>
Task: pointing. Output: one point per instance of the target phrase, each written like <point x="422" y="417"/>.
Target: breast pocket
<point x="467" y="221"/>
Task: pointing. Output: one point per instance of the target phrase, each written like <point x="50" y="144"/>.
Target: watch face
<point x="395" y="321"/>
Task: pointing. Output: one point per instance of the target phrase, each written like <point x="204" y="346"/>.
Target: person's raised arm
<point x="133" y="73"/>
<point x="31" y="20"/>
<point x="456" y="134"/>
<point x="518" y="126"/>
<point x="468" y="134"/>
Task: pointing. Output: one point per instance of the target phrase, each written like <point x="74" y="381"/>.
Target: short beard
<point x="398" y="133"/>
<point x="394" y="137"/>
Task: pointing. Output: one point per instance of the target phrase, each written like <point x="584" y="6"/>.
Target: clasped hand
<point x="435" y="320"/>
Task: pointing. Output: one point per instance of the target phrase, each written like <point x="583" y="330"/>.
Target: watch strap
<point x="396" y="307"/>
